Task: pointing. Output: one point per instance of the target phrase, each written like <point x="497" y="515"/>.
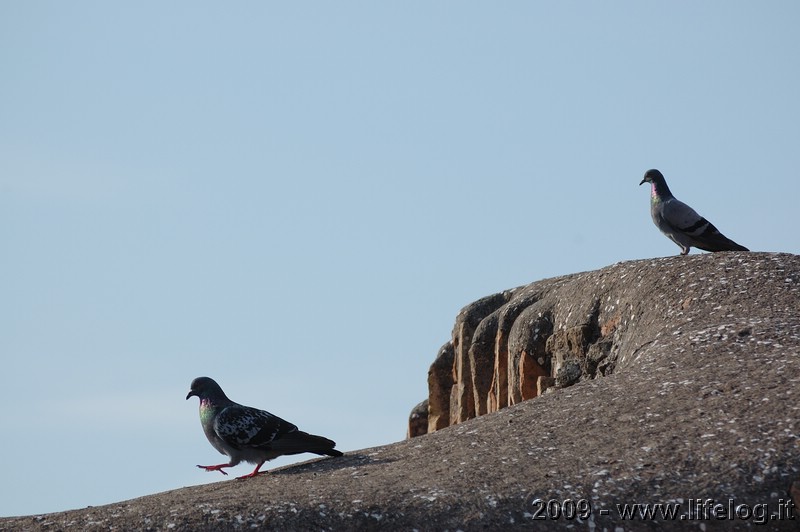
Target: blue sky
<point x="297" y="198"/>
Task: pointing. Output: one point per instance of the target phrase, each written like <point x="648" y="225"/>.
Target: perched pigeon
<point x="680" y="222"/>
<point x="249" y="434"/>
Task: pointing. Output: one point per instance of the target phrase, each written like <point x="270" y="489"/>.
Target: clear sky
<point x="296" y="198"/>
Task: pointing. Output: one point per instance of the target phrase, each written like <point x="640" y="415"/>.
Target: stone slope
<point x="702" y="403"/>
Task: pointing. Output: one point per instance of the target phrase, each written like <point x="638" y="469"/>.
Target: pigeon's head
<point x="652" y="176"/>
<point x="205" y="388"/>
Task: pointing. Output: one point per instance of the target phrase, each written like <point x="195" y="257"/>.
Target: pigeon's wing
<point x="242" y="426"/>
<point x="700" y="232"/>
<point x="680" y="217"/>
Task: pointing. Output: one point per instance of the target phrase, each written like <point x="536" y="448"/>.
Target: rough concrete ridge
<point x="702" y="404"/>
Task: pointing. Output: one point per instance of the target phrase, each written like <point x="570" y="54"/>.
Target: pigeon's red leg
<point x="215" y="467"/>
<point x="254" y="473"/>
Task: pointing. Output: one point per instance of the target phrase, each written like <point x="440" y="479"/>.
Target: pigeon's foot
<point x="255" y="472"/>
<point x="215" y="467"/>
<point x="251" y="475"/>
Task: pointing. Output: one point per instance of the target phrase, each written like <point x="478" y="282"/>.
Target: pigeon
<point x="680" y="223"/>
<point x="249" y="434"/>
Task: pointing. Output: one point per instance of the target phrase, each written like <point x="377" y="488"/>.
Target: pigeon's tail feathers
<point x="721" y="245"/>
<point x="733" y="246"/>
<point x="302" y="442"/>
<point x="329" y="452"/>
<point x="712" y="240"/>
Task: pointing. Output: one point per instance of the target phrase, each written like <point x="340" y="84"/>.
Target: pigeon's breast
<point x="207" y="413"/>
<point x="207" y="416"/>
<point x="656" y="212"/>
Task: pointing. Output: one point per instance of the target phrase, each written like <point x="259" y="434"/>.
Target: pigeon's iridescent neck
<point x="207" y="410"/>
<point x="654" y="197"/>
<point x="659" y="191"/>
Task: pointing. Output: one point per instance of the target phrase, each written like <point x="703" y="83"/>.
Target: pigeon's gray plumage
<point x="680" y="222"/>
<point x="249" y="434"/>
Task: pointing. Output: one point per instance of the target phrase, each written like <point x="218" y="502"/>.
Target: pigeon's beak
<point x="642" y="182"/>
<point x="190" y="394"/>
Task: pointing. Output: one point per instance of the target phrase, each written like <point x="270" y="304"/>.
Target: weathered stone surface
<point x="498" y="392"/>
<point x="526" y="354"/>
<point x="481" y="359"/>
<point x="440" y="388"/>
<point x="543" y="383"/>
<point x="467" y="322"/>
<point x="702" y="403"/>
<point x="581" y="326"/>
<point x="418" y="420"/>
<point x="529" y="373"/>
<point x="569" y="372"/>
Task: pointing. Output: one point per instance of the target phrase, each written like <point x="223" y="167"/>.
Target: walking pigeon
<point x="248" y="434"/>
<point x="680" y="223"/>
